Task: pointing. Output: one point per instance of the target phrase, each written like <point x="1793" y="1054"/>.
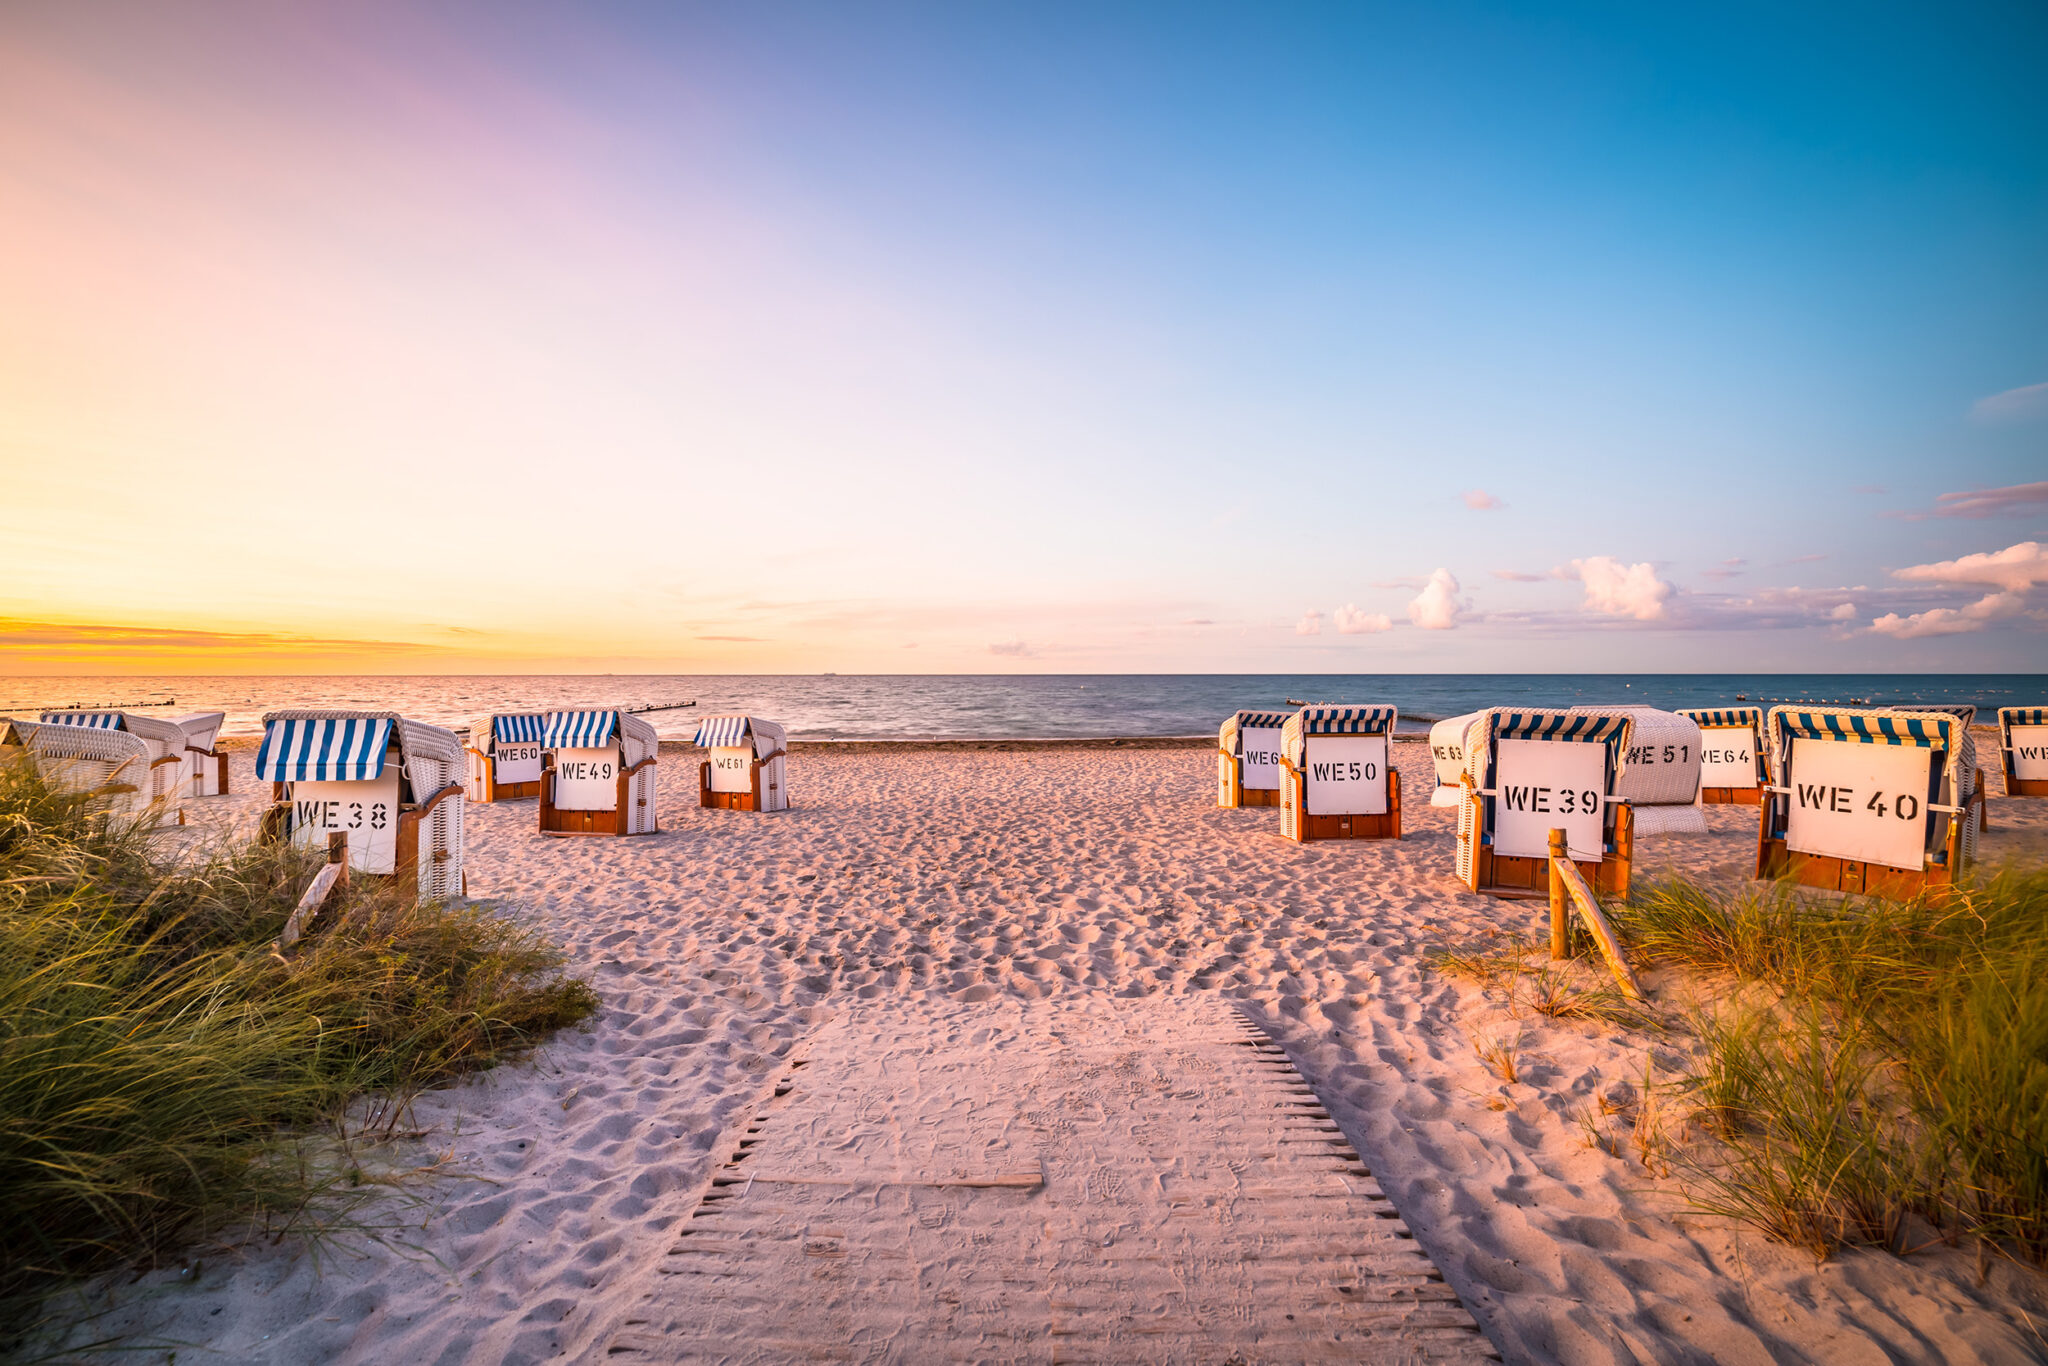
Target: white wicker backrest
<point x="768" y="737"/>
<point x="637" y="739"/>
<point x="201" y="728"/>
<point x="1651" y="779"/>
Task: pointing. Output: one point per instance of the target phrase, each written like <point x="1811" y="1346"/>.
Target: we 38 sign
<point x="367" y="812"/>
<point x="1858" y="801"/>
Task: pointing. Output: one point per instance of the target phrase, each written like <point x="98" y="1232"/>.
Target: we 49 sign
<point x="1859" y="801"/>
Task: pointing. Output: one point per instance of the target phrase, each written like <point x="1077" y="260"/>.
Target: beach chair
<point x="1447" y="754"/>
<point x="206" y="768"/>
<point x="1248" y="759"/>
<point x="746" y="769"/>
<point x="163" y="784"/>
<point x="1337" y="775"/>
<point x="1660" y="778"/>
<point x="392" y="786"/>
<point x="1529" y="772"/>
<point x="597" y="774"/>
<point x="99" y="760"/>
<point x="2023" y="750"/>
<point x="1879" y="801"/>
<point x="504" y="757"/>
<point x="1735" y="764"/>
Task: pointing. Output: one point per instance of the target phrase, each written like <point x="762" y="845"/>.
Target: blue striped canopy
<point x="1557" y="725"/>
<point x="1925" y="731"/>
<point x="2023" y="716"/>
<point x="579" y="729"/>
<point x="1723" y="716"/>
<point x="98" y="720"/>
<point x="1257" y="720"/>
<point x="1325" y="718"/>
<point x="723" y="732"/>
<point x="524" y="728"/>
<point x="327" y="750"/>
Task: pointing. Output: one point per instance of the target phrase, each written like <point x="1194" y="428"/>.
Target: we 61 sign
<point x="1860" y="801"/>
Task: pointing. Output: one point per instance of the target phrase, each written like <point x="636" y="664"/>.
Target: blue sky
<point x="934" y="338"/>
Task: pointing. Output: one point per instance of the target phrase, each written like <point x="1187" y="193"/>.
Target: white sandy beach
<point x="919" y="878"/>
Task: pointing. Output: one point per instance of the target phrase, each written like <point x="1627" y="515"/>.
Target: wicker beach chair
<point x="505" y="756"/>
<point x="206" y="768"/>
<point x="1337" y="774"/>
<point x="1248" y="759"/>
<point x="393" y="786"/>
<point x="165" y="741"/>
<point x="1880" y="801"/>
<point x="98" y="760"/>
<point x="1447" y="755"/>
<point x="1661" y="779"/>
<point x="746" y="770"/>
<point x="2023" y="750"/>
<point x="597" y="774"/>
<point x="1737" y="766"/>
<point x="1512" y="798"/>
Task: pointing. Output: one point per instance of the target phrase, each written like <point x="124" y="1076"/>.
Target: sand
<point x="918" y="879"/>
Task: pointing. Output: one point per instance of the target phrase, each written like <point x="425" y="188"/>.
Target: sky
<point x="477" y="336"/>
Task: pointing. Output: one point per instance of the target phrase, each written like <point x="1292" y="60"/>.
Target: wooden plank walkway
<point x="1090" y="1180"/>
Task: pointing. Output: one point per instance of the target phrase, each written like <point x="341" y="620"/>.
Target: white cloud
<point x="1978" y="503"/>
<point x="2016" y="569"/>
<point x="1619" y="590"/>
<point x="1437" y="607"/>
<point x="1014" y="649"/>
<point x="1479" y="500"/>
<point x="1311" y="623"/>
<point x="1844" y="611"/>
<point x="1949" y="621"/>
<point x="2014" y="405"/>
<point x="1352" y="622"/>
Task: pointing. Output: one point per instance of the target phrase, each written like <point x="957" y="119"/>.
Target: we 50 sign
<point x="1858" y="801"/>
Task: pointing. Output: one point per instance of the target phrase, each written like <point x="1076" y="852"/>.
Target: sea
<point x="984" y="706"/>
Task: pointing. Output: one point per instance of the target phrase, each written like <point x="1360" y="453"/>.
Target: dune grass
<point x="1894" y="1061"/>
<point x="160" y="1063"/>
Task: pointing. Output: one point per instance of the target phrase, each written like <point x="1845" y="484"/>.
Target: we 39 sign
<point x="1542" y="785"/>
<point x="1860" y="801"/>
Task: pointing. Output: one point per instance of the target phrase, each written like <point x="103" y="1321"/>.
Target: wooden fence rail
<point x="1568" y="889"/>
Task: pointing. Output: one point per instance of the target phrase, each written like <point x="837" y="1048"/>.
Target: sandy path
<point x="934" y="877"/>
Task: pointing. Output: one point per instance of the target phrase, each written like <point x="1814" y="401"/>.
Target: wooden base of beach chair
<point x="515" y="792"/>
<point x="1259" y="796"/>
<point x="1306" y="827"/>
<point x="1732" y="796"/>
<point x="1514" y="878"/>
<point x="735" y="801"/>
<point x="1850" y="875"/>
<point x="555" y="821"/>
<point x="2026" y="787"/>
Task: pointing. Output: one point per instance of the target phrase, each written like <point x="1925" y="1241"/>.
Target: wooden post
<point x="337" y="852"/>
<point x="1560" y="899"/>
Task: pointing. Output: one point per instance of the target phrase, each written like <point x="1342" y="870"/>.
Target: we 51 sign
<point x="1858" y="801"/>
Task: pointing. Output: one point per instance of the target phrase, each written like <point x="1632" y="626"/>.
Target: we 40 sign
<point x="1864" y="802"/>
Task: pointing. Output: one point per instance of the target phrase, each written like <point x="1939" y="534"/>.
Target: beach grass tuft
<point x="1891" y="1060"/>
<point x="162" y="1065"/>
